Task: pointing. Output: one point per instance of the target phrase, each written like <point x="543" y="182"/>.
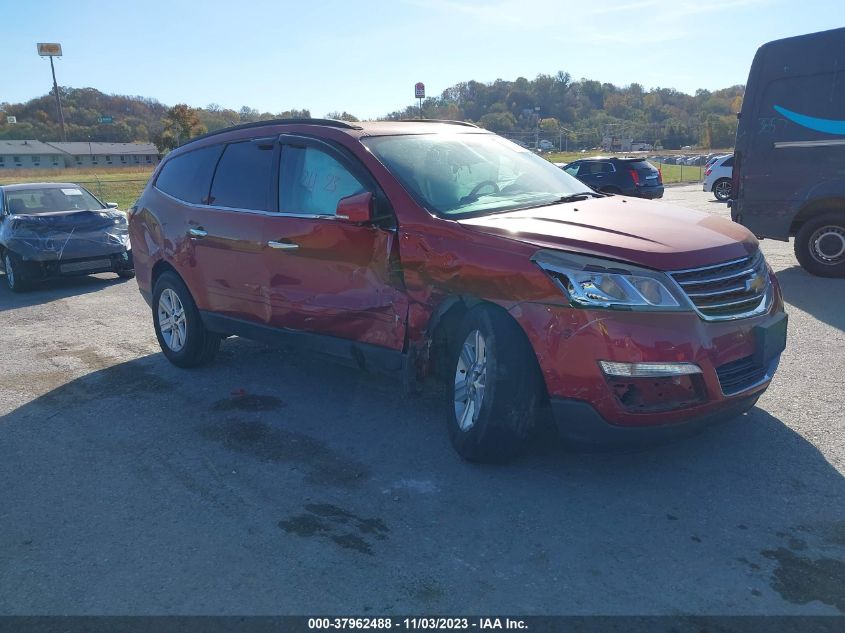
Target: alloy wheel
<point x="171" y="320"/>
<point x="722" y="190"/>
<point x="470" y="379"/>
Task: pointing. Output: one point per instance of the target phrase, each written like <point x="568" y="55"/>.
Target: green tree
<point x="342" y="116"/>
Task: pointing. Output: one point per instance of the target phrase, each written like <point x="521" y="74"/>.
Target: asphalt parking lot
<point x="270" y="483"/>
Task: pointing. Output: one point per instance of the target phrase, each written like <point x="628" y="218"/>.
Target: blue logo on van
<point x="828" y="126"/>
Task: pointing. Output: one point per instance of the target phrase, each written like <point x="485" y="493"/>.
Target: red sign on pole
<point x="419" y="90"/>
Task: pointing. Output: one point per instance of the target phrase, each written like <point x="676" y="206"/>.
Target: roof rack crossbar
<point x="245" y="126"/>
<point x="446" y="121"/>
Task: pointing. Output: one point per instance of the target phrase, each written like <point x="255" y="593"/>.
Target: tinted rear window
<point x="244" y="177"/>
<point x="188" y="176"/>
<point x="642" y="165"/>
<point x="729" y="162"/>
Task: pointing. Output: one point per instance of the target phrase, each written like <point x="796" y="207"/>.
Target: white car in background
<point x="718" y="175"/>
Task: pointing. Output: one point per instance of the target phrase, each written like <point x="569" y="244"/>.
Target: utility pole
<point x="58" y="101"/>
<point x="51" y="51"/>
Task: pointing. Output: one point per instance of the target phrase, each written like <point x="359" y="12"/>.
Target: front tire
<point x="497" y="387"/>
<point x="722" y="189"/>
<point x="14" y="273"/>
<point x="179" y="328"/>
<point x="820" y="245"/>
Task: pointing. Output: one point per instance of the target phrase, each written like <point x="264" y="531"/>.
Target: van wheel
<point x="126" y="274"/>
<point x="820" y="245"/>
<point x="613" y="191"/>
<point x="178" y="326"/>
<point x="497" y="387"/>
<point x="14" y="273"/>
<point x="722" y="189"/>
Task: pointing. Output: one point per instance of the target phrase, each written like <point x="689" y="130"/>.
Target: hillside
<point x="584" y="111"/>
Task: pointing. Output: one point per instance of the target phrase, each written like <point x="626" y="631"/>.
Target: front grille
<point x="727" y="291"/>
<point x="739" y="375"/>
<point x="85" y="265"/>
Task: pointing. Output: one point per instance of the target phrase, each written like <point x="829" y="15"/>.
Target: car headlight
<point x="591" y="282"/>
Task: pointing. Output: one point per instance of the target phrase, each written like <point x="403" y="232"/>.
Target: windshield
<point x="50" y="200"/>
<point x="468" y="175"/>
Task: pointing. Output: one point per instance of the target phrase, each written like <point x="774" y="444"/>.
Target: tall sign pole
<point x="52" y="50"/>
<point x="419" y="93"/>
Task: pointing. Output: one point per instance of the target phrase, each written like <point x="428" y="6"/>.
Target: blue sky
<point x="364" y="57"/>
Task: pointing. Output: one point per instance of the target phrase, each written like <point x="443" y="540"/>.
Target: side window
<point x="244" y="176"/>
<point x="188" y="177"/>
<point x="572" y="170"/>
<point x="312" y="182"/>
<point x="607" y="168"/>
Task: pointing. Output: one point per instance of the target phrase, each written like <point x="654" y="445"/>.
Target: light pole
<point x="52" y="50"/>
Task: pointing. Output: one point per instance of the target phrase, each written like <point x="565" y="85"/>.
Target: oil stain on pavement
<point x="800" y="578"/>
<point x="337" y="525"/>
<point x="248" y="402"/>
<point x="275" y="444"/>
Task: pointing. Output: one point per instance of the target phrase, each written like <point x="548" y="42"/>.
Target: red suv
<point x="437" y="248"/>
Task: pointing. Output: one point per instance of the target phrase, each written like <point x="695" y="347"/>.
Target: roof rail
<point x="446" y="121"/>
<point x="245" y="126"/>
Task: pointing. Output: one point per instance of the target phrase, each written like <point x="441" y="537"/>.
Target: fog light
<point x="648" y="370"/>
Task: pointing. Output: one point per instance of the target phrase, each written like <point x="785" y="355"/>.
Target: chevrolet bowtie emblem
<point x="754" y="284"/>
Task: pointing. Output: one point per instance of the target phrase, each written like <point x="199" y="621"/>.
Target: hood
<point x="653" y="234"/>
<point x="65" y="234"/>
<point x="61" y="221"/>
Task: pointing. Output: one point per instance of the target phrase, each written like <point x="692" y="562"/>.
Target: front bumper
<point x="73" y="267"/>
<point x="570" y="342"/>
<point x="579" y="422"/>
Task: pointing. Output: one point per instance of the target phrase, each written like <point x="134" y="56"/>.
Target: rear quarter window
<point x="188" y="176"/>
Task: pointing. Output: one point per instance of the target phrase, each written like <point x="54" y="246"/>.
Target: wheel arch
<point x="814" y="208"/>
<point x="160" y="267"/>
<point x="443" y="326"/>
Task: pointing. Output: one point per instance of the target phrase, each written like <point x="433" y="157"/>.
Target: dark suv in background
<point x="622" y="176"/>
<point x="439" y="248"/>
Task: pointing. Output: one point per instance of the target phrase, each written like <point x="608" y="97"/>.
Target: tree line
<point x="584" y="111"/>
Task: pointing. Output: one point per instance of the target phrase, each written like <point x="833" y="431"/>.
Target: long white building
<point x="31" y="154"/>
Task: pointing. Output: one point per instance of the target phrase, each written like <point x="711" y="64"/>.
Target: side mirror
<point x="357" y="209"/>
<point x="111" y="205"/>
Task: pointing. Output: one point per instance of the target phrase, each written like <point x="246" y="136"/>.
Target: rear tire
<point x="126" y="274"/>
<point x="179" y="328"/>
<point x="612" y="191"/>
<point x="820" y="245"/>
<point x="722" y="189"/>
<point x="15" y="280"/>
<point x="497" y="387"/>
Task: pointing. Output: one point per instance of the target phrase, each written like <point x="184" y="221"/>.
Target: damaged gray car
<point x="57" y="230"/>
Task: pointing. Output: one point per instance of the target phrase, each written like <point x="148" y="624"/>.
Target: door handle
<point x="285" y="246"/>
<point x="197" y="233"/>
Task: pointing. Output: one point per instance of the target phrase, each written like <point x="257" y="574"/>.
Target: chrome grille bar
<point x="716" y="294"/>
